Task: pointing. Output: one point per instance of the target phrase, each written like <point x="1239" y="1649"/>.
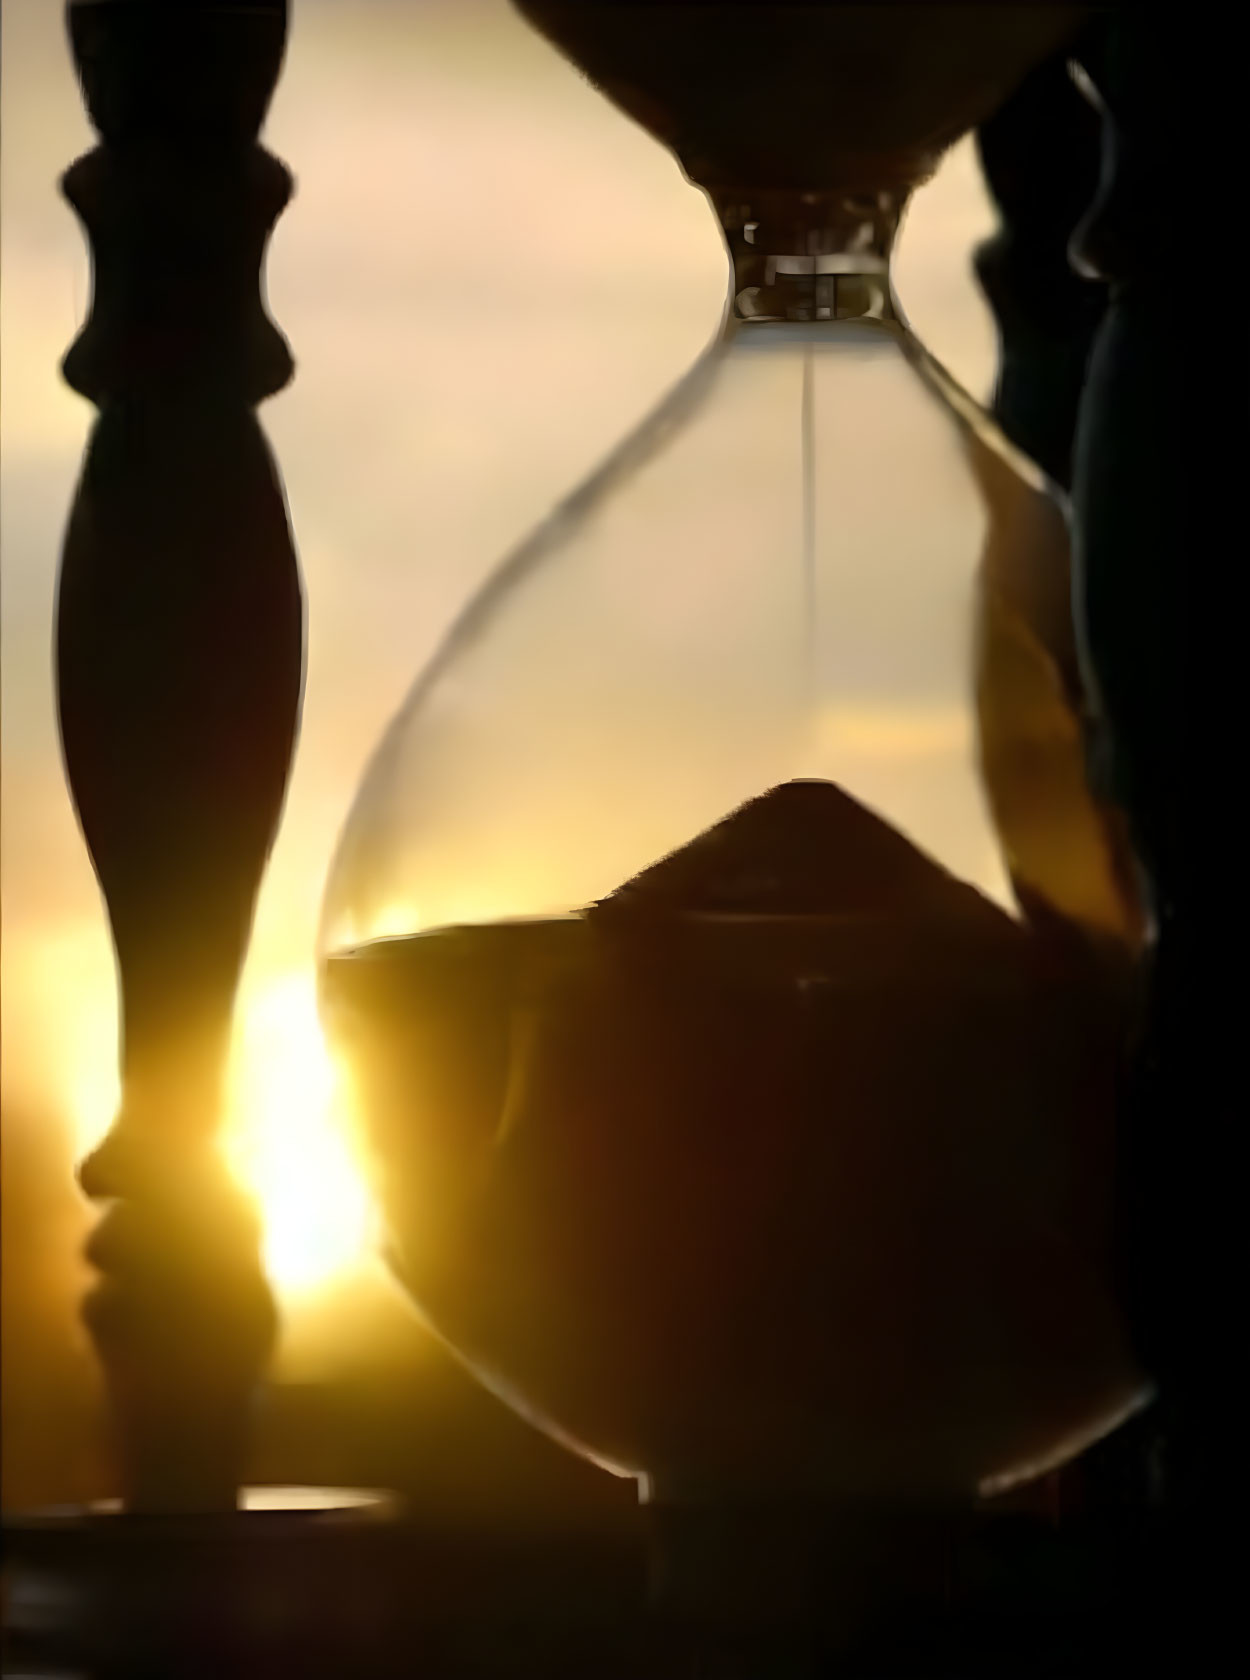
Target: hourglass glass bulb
<point x="730" y="1120"/>
<point x="772" y="579"/>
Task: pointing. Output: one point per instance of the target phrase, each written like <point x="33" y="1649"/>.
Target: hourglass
<point x="726" y="947"/>
<point x="726" y="943"/>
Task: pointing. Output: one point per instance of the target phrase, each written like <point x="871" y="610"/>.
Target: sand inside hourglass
<point x="782" y="1156"/>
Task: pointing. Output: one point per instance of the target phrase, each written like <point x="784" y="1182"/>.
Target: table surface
<point x="182" y="1600"/>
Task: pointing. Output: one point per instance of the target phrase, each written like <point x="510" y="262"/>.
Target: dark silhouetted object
<point x="179" y="668"/>
<point x="180" y="650"/>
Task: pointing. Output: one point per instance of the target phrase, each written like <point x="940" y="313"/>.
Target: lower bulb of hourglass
<point x="758" y="1173"/>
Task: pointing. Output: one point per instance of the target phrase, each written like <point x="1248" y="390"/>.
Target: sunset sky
<point x="487" y="276"/>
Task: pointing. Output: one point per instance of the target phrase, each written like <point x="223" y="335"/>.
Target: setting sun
<point x="288" y="1132"/>
<point x="289" y="1138"/>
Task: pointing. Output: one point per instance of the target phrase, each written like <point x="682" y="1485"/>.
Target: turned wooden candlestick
<point x="179" y="668"/>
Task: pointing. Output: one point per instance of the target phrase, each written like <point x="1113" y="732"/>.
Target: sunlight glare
<point x="288" y="1133"/>
<point x="289" y="1139"/>
<point x="91" y="1082"/>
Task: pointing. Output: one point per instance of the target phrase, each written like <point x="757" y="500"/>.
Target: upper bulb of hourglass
<point x="725" y="1122"/>
<point x="772" y="580"/>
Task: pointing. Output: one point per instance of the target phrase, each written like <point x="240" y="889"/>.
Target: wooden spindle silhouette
<point x="1041" y="158"/>
<point x="1039" y="154"/>
<point x="1141" y="497"/>
<point x="1156" y="492"/>
<point x="179" y="663"/>
<point x="1157" y="496"/>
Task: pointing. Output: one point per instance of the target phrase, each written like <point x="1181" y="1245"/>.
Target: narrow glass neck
<point x="810" y="256"/>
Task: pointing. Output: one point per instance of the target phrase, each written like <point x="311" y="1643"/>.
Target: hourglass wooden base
<point x="759" y="1594"/>
<point x="311" y="1582"/>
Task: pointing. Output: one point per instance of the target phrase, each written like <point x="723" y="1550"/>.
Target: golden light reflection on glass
<point x="390" y="921"/>
<point x="901" y="732"/>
